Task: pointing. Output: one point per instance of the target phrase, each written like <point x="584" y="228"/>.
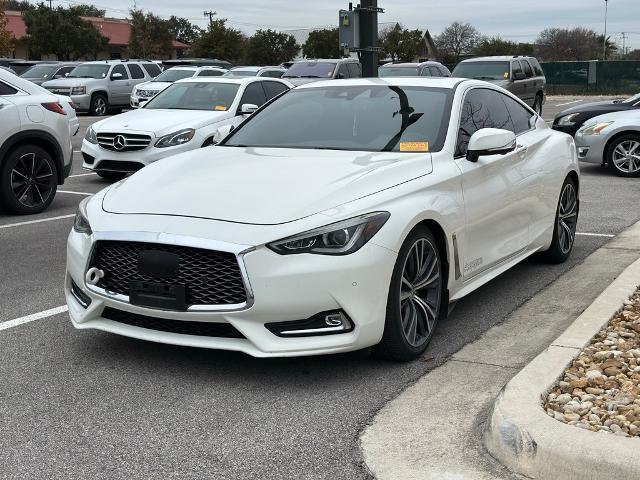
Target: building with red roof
<point x="117" y="30"/>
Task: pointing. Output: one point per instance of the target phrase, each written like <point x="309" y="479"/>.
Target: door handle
<point x="522" y="150"/>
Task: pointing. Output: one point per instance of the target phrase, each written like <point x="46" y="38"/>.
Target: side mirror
<point x="66" y="74"/>
<point x="490" y="141"/>
<point x="519" y="76"/>
<point x="222" y="133"/>
<point x="248" y="109"/>
<point x="116" y="76"/>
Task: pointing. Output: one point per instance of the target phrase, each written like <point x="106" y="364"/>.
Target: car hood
<point x="595" y="108"/>
<point x="260" y="186"/>
<point x="71" y="82"/>
<point x="627" y="117"/>
<point x="155" y="86"/>
<point x="161" y="122"/>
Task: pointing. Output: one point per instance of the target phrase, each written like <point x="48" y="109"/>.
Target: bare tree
<point x="456" y="40"/>
<point x="555" y="44"/>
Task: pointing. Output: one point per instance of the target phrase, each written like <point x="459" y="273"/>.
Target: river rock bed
<point x="600" y="390"/>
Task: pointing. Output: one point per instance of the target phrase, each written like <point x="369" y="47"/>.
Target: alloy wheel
<point x="31" y="180"/>
<point x="420" y="293"/>
<point x="626" y="156"/>
<point x="100" y="106"/>
<point x="567" y="218"/>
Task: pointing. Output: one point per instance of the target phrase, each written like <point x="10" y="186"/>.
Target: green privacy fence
<point x="611" y="77"/>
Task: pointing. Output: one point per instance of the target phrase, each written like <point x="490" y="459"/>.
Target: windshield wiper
<point x="485" y="77"/>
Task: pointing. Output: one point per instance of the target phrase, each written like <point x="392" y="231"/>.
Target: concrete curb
<point x="525" y="439"/>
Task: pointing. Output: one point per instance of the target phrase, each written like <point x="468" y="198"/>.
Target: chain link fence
<point x="608" y="77"/>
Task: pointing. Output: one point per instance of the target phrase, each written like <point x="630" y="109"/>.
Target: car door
<point x="120" y="88"/>
<point x="518" y="79"/>
<point x="495" y="228"/>
<point x="529" y="88"/>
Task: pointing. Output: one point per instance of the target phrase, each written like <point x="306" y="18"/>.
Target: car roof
<point x="327" y="60"/>
<point x="255" y="69"/>
<point x="236" y="80"/>
<point x="410" y="64"/>
<point x="435" y="82"/>
<point x="495" y="58"/>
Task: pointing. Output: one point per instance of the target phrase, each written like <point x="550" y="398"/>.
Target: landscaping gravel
<point x="600" y="391"/>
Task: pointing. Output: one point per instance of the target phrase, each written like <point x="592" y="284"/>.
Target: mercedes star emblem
<point x="119" y="143"/>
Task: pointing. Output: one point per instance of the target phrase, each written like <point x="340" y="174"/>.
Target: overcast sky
<point x="513" y="19"/>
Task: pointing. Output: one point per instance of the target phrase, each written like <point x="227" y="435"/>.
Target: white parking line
<point x="82" y="175"/>
<point x="34" y="316"/>
<point x="569" y="103"/>
<point x="605" y="235"/>
<point x="30" y="222"/>
<point x="75" y="193"/>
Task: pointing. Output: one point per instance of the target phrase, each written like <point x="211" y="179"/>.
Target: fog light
<point x="326" y="323"/>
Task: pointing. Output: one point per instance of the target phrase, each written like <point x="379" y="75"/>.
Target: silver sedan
<point x="612" y="139"/>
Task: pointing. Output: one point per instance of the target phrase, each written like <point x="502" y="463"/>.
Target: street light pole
<point x="606" y="11"/>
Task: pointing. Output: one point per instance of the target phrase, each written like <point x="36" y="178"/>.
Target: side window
<point x="434" y="71"/>
<point x="521" y="117"/>
<point x="527" y="68"/>
<point x="254" y="94"/>
<point x="354" y="70"/>
<point x="537" y="68"/>
<point x="425" y="72"/>
<point x="274" y="89"/>
<point x="7" y="90"/>
<point x="135" y="70"/>
<point x="272" y="73"/>
<point x="445" y="72"/>
<point x="120" y="69"/>
<point x="152" y="69"/>
<point x="343" y="71"/>
<point x="482" y="108"/>
<point x="516" y="68"/>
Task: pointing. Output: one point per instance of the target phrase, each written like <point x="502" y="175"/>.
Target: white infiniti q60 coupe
<point x="342" y="215"/>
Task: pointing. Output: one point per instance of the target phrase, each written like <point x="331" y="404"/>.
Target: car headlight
<point x="342" y="238"/>
<point x="176" y="138"/>
<point x="81" y="223"/>
<point x="91" y="136"/>
<point x="78" y="90"/>
<point x="595" y="129"/>
<point x="568" y="120"/>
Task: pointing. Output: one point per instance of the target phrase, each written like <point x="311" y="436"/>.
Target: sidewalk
<point x="434" y="430"/>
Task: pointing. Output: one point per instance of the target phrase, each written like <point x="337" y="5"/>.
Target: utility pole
<point x="369" y="37"/>
<point x="606" y="12"/>
<point x="210" y="14"/>
<point x="624" y="44"/>
<point x="50" y="4"/>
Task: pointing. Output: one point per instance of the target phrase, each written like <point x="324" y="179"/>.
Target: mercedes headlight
<point x="342" y="238"/>
<point x="80" y="223"/>
<point x="91" y="136"/>
<point x="595" y="129"/>
<point x="568" y="120"/>
<point x="176" y="138"/>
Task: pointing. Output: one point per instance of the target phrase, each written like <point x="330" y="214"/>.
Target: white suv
<point x="147" y="90"/>
<point x="35" y="144"/>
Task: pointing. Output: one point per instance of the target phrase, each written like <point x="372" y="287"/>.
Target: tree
<point x="83" y="10"/>
<point x="221" y="42"/>
<point x="183" y="30"/>
<point x="150" y="36"/>
<point x="497" y="46"/>
<point x="556" y="44"/>
<point x="323" y="43"/>
<point x="19" y="5"/>
<point x="612" y="47"/>
<point x="402" y="44"/>
<point x="268" y="47"/>
<point x="6" y="42"/>
<point x="633" y="55"/>
<point x="456" y="40"/>
<point x="61" y="32"/>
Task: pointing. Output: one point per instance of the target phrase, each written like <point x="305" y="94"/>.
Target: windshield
<point x="398" y="72"/>
<point x="89" y="71"/>
<point x="364" y="118"/>
<point x="311" y="70"/>
<point x="483" y="70"/>
<point x="240" y="73"/>
<point x="172" y="75"/>
<point x="40" y="71"/>
<point x="195" y="96"/>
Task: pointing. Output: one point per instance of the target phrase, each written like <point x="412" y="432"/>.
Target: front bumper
<point x="282" y="288"/>
<point x="83" y="102"/>
<point x="568" y="129"/>
<point x="590" y="148"/>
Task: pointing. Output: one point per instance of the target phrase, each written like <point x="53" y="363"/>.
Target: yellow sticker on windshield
<point x="220" y="108"/>
<point x="414" y="146"/>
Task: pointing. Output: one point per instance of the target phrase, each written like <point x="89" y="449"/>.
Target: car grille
<point x="210" y="277"/>
<point x="60" y="90"/>
<point x="201" y="329"/>
<point x="147" y="93"/>
<point x="123" y="142"/>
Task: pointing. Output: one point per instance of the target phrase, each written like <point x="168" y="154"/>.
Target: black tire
<point x="564" y="229"/>
<point x="112" y="176"/>
<point x="537" y="104"/>
<point x="614" y="157"/>
<point x="28" y="180"/>
<point x="396" y="343"/>
<point x="99" y="105"/>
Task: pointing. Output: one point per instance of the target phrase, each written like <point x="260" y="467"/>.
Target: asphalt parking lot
<point x="86" y="404"/>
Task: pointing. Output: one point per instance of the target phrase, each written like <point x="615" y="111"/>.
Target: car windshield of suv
<point x="195" y="96"/>
<point x="483" y="70"/>
<point x="362" y="118"/>
<point x="40" y="71"/>
<point x="172" y="75"/>
<point x="89" y="71"/>
<point x="398" y="72"/>
<point x="311" y="70"/>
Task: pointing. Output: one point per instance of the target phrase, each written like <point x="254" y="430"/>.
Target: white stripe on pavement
<point x="10" y="225"/>
<point x="76" y="193"/>
<point x="82" y="175"/>
<point x="568" y="103"/>
<point x="605" y="235"/>
<point x="34" y="316"/>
